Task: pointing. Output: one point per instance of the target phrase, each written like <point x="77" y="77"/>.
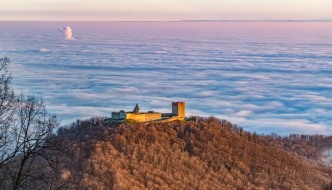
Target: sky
<point x="164" y="10"/>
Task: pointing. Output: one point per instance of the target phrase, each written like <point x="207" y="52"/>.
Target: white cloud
<point x="254" y="82"/>
<point x="243" y="113"/>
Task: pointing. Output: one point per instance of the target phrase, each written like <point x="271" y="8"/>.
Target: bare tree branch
<point x="30" y="153"/>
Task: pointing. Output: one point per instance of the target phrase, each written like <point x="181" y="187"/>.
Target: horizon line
<point x="194" y="20"/>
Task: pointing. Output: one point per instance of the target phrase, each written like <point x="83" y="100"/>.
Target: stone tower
<point x="179" y="109"/>
<point x="137" y="109"/>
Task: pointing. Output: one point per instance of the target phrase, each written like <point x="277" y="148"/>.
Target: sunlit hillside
<point x="207" y="154"/>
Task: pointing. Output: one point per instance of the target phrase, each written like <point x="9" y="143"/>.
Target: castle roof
<point x="137" y="110"/>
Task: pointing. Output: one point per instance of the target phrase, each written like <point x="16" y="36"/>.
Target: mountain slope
<point x="208" y="154"/>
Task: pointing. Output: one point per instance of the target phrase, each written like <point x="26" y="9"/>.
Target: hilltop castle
<point x="178" y="113"/>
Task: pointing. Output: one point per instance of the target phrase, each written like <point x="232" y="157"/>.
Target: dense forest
<point x="205" y="153"/>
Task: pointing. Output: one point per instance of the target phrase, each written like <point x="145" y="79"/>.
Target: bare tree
<point x="7" y="100"/>
<point x="30" y="153"/>
<point x="6" y="93"/>
<point x="323" y="159"/>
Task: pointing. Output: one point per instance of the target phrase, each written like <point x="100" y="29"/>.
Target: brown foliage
<point x="208" y="154"/>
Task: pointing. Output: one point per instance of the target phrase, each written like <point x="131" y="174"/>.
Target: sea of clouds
<point x="266" y="77"/>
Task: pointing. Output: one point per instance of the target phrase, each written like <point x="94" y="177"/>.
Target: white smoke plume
<point x="67" y="31"/>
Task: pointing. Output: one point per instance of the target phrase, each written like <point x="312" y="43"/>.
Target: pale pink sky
<point x="164" y="9"/>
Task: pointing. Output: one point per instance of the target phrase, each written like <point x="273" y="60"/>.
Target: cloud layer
<point x="266" y="77"/>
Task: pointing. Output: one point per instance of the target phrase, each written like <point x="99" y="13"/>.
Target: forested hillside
<point x="207" y="154"/>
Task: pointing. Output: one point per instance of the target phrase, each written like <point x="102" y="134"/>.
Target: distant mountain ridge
<point x="262" y="20"/>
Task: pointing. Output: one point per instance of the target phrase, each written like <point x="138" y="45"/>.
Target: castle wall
<point x="118" y="115"/>
<point x="178" y="113"/>
<point x="174" y="118"/>
<point x="122" y="115"/>
<point x="152" y="116"/>
<point x="115" y="115"/>
<point x="166" y="115"/>
<point x="143" y="117"/>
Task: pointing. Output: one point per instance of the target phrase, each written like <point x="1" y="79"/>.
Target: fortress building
<point x="179" y="110"/>
<point x="178" y="113"/>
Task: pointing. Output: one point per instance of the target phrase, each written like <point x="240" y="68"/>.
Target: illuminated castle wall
<point x="178" y="113"/>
